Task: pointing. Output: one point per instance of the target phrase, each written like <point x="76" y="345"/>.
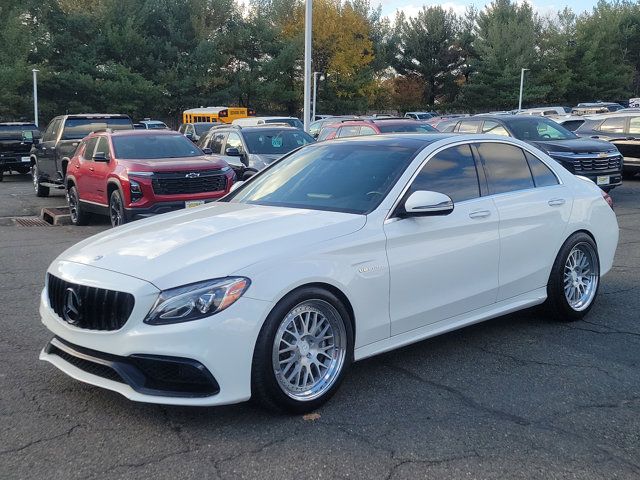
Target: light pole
<point x="315" y="94"/>
<point x="308" y="25"/>
<point x="521" y="85"/>
<point x="35" y="96"/>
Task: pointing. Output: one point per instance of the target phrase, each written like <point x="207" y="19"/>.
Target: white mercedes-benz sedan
<point x="337" y="252"/>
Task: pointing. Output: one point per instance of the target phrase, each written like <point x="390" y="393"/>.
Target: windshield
<point x="407" y="127"/>
<point x="157" y="126"/>
<point x="203" y="127"/>
<point x="294" y="122"/>
<point x="275" y="142"/>
<point x="346" y="177"/>
<point x="539" y="129"/>
<point x="16" y="131"/>
<point x="77" y="128"/>
<point x="150" y="147"/>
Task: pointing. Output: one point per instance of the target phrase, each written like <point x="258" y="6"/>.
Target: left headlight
<point x="196" y="300"/>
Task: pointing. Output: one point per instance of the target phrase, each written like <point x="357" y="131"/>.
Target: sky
<point x="411" y="7"/>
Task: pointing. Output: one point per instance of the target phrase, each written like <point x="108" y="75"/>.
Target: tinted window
<point x="348" y="131"/>
<point x="77" y="128"/>
<point x="542" y="175"/>
<point x="539" y="129"/>
<point x="613" y="125"/>
<point x="103" y="146"/>
<point x="494" y="128"/>
<point x="154" y="146"/>
<point x="294" y="122"/>
<point x="468" y="127"/>
<point x="202" y="128"/>
<point x="315" y="127"/>
<point x="325" y="132"/>
<point x="634" y="125"/>
<point x="328" y="176"/>
<point x="367" y="131"/>
<point x="572" y="124"/>
<point x="452" y="172"/>
<point x="89" y="148"/>
<point x="506" y="167"/>
<point x="275" y="142"/>
<point x="52" y="131"/>
<point x="406" y="127"/>
<point x="215" y="144"/>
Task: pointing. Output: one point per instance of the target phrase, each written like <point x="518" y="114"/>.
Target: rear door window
<point x="364" y="130"/>
<point x="452" y="172"/>
<point x="326" y="132"/>
<point x="350" y="131"/>
<point x="215" y="144"/>
<point x="542" y="175"/>
<point x="506" y="167"/>
<point x="90" y="147"/>
<point x="634" y="125"/>
<point x="468" y="126"/>
<point x="494" y="128"/>
<point x="613" y="125"/>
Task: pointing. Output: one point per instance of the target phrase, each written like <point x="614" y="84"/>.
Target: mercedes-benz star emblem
<point x="72" y="306"/>
<point x="192" y="175"/>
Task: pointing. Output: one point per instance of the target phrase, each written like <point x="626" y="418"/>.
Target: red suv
<point x="129" y="174"/>
<point x="373" y="126"/>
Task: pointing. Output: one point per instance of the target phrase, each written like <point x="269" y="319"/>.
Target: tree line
<point x="155" y="58"/>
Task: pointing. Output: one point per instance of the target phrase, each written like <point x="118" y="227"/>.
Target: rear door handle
<point x="91" y="169"/>
<point x="480" y="214"/>
<point x="556" y="202"/>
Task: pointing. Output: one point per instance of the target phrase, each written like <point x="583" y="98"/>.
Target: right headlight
<point x="196" y="300"/>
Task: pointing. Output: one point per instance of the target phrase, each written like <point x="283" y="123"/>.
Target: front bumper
<point x="222" y="344"/>
<point x="156" y="209"/>
<point x="15" y="162"/>
<point x="615" y="178"/>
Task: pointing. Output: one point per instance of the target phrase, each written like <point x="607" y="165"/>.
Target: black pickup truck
<point x="50" y="156"/>
<point x="16" y="140"/>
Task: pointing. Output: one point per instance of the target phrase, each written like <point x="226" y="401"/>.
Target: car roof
<point x="392" y="139"/>
<point x="618" y="114"/>
<point x="18" y="124"/>
<point x="96" y="115"/>
<point x="134" y="132"/>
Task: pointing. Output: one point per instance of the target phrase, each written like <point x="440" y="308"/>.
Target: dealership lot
<point x="516" y="397"/>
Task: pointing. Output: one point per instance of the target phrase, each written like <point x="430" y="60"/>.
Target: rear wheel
<point x="116" y="209"/>
<point x="302" y="352"/>
<point x="78" y="215"/>
<point x="575" y="278"/>
<point x="39" y="189"/>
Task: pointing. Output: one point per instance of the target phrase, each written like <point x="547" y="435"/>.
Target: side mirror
<point x="425" y="203"/>
<point x="100" y="157"/>
<point x="236" y="184"/>
<point x="232" y="152"/>
<point x="189" y="136"/>
<point x="207" y="151"/>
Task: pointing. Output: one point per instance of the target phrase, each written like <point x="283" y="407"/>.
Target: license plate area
<point x="25" y="159"/>
<point x="603" y="180"/>
<point x="193" y="203"/>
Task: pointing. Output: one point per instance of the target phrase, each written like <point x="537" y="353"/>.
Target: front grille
<point x="93" y="308"/>
<point x="176" y="183"/>
<point x="595" y="163"/>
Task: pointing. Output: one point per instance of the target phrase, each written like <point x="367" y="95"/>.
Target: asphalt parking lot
<point x="516" y="397"/>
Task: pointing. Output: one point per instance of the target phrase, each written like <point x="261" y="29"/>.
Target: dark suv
<point x="595" y="159"/>
<point x="250" y="149"/>
<point x="622" y="130"/>
<point x="50" y="156"/>
<point x="16" y="139"/>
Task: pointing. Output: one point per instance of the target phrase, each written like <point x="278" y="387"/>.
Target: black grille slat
<point x="176" y="183"/>
<point x="88" y="366"/>
<point x="100" y="309"/>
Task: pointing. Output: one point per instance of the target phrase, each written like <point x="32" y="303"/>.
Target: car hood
<point x="207" y="242"/>
<point x="574" y="145"/>
<point x="175" y="164"/>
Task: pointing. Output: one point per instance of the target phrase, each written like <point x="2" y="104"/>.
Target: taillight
<point x="223" y="113"/>
<point x="607" y="198"/>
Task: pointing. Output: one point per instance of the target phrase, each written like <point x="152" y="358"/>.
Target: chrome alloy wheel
<point x="309" y="350"/>
<point x="115" y="210"/>
<point x="72" y="200"/>
<point x="581" y="276"/>
<point x="34" y="177"/>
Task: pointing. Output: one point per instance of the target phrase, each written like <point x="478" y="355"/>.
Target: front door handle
<point x="91" y="169"/>
<point x="480" y="214"/>
<point x="556" y="202"/>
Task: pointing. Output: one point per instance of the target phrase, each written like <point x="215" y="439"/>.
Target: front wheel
<point x="39" y="189"/>
<point x="302" y="352"/>
<point x="575" y="278"/>
<point x="116" y="209"/>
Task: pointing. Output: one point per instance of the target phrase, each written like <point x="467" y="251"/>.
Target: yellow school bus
<point x="216" y="114"/>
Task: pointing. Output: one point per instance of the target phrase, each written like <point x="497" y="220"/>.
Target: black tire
<point x="116" y="209"/>
<point x="78" y="216"/>
<point x="557" y="304"/>
<point x="266" y="390"/>
<point x="39" y="189"/>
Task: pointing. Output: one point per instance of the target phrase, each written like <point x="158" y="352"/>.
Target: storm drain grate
<point x="31" y="222"/>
